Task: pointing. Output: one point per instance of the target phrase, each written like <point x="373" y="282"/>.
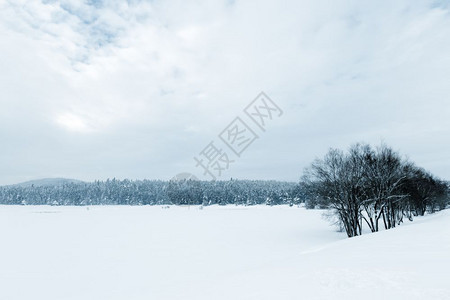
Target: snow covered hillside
<point x="150" y="252"/>
<point x="48" y="182"/>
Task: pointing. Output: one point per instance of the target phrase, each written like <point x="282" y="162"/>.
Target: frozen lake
<point x="150" y="252"/>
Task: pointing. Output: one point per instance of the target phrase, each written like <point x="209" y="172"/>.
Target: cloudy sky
<point x="101" y="89"/>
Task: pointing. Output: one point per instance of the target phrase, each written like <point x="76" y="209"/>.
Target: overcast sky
<point x="101" y="89"/>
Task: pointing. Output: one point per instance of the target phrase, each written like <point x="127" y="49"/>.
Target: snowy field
<point x="215" y="253"/>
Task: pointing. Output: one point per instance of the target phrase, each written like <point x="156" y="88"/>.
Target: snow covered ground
<point x="214" y="253"/>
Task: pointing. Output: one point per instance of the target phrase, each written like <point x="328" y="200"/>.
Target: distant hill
<point x="48" y="182"/>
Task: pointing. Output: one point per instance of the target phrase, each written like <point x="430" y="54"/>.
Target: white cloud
<point x="153" y="82"/>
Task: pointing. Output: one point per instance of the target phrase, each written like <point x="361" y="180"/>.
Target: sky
<point x="138" y="89"/>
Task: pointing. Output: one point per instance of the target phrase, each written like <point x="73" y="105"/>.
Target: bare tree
<point x="336" y="180"/>
<point x="369" y="184"/>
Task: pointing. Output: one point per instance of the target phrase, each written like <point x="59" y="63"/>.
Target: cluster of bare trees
<point x="373" y="187"/>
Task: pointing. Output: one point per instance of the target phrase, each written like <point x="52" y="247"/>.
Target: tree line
<point x="364" y="186"/>
<point x="372" y="186"/>
<point x="155" y="192"/>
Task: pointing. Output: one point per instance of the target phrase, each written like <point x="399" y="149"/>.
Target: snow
<point x="148" y="252"/>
